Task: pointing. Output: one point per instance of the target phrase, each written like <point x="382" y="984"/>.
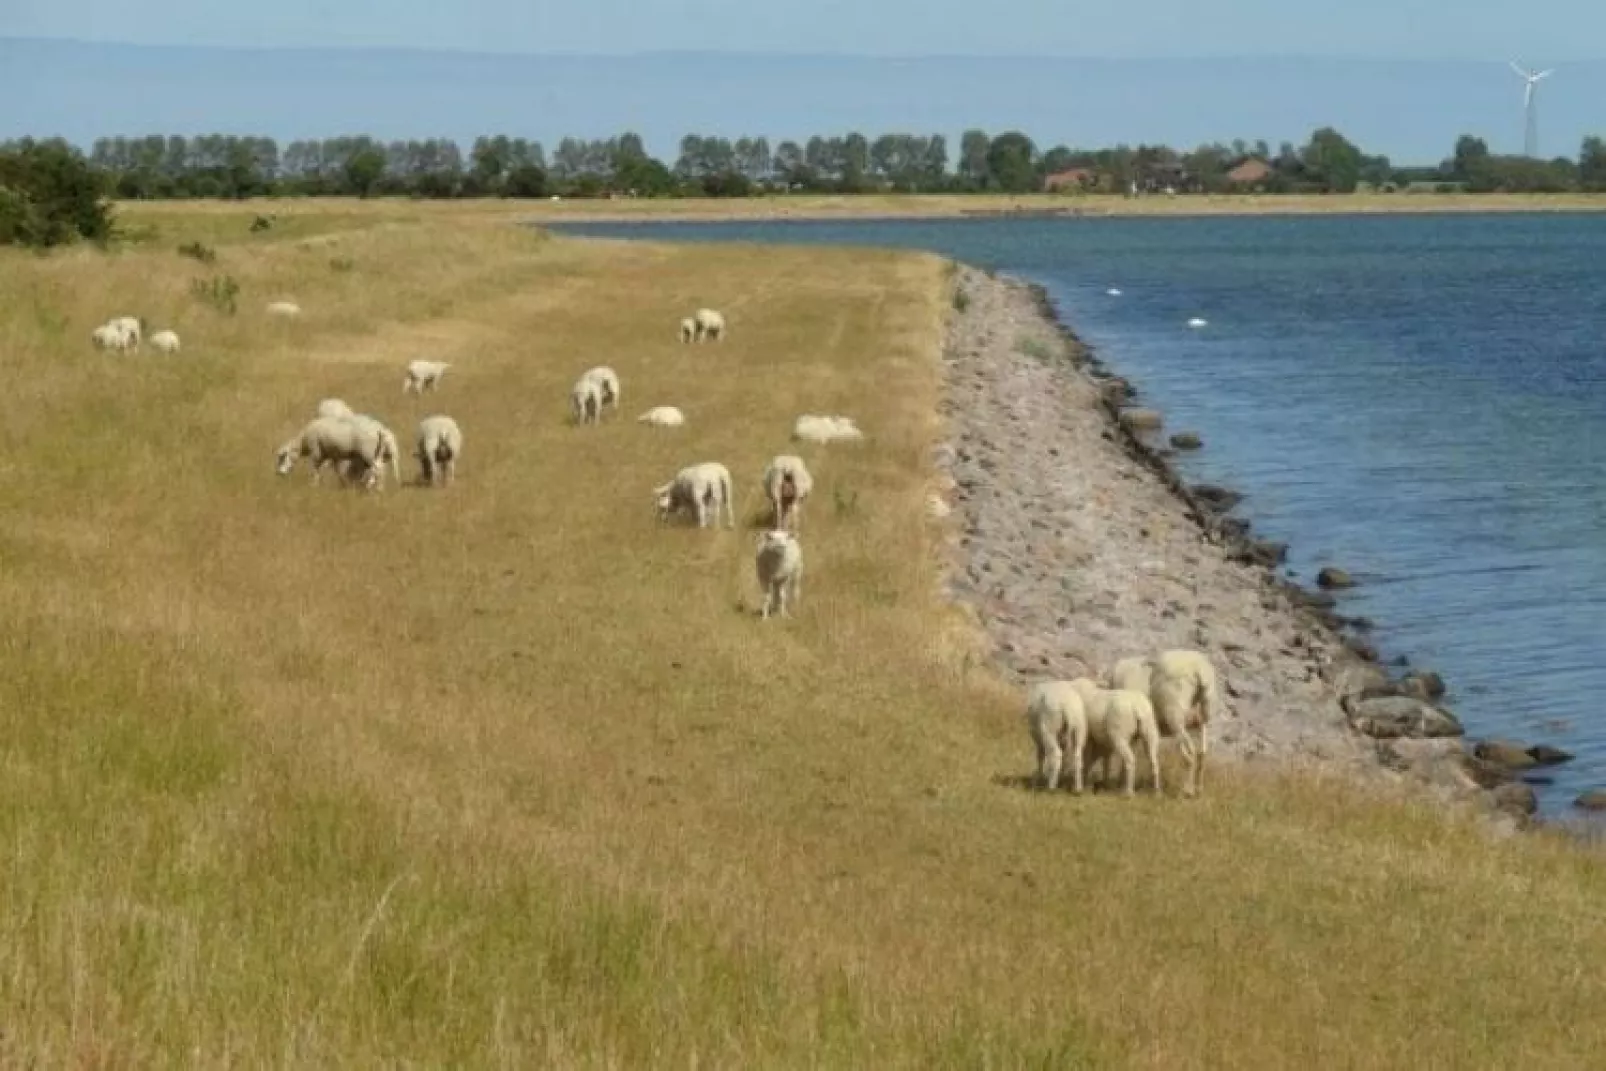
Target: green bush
<point x="49" y="195"/>
<point x="220" y="292"/>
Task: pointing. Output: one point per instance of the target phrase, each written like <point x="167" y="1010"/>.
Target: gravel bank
<point x="1077" y="546"/>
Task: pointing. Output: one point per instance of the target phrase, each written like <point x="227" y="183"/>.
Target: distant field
<point x="507" y="774"/>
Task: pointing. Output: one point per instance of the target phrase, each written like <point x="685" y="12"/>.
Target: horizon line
<point x="772" y="54"/>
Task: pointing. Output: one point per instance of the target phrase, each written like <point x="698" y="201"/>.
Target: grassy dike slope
<point x="503" y="775"/>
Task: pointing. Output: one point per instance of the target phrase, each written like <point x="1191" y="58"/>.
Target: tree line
<point x="49" y="189"/>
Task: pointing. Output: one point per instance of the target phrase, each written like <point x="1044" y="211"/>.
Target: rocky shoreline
<point x="1076" y="544"/>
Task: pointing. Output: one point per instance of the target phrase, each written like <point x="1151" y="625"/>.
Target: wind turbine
<point x="1530" y="129"/>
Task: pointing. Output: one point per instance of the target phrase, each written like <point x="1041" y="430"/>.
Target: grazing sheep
<point x="284" y="308"/>
<point x="826" y="429"/>
<point x="440" y="444"/>
<point x="422" y="374"/>
<point x="1116" y="718"/>
<point x="1057" y="720"/>
<point x="779" y="564"/>
<point x="709" y="324"/>
<point x="787" y="483"/>
<point x="389" y="450"/>
<point x="700" y="486"/>
<point x="585" y="399"/>
<point x="334" y="441"/>
<point x="608" y="381"/>
<point x="1183" y="688"/>
<point x="662" y="416"/>
<point x="111" y="336"/>
<point x="334" y="407"/>
<point x="688" y="329"/>
<point x="132" y="329"/>
<point x="165" y="342"/>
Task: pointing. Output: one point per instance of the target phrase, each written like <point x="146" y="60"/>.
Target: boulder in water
<point x="1141" y="419"/>
<point x="1333" y="577"/>
<point x="1392" y="716"/>
<point x="1186" y="440"/>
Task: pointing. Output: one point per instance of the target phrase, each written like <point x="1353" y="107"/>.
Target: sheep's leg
<point x="769" y="594"/>
<point x="1151" y="747"/>
<point x="1189" y="756"/>
<point x="449" y="471"/>
<point x="1129" y="766"/>
<point x="1078" y="756"/>
<point x="702" y="513"/>
<point x="1204" y="748"/>
<point x="1050" y="762"/>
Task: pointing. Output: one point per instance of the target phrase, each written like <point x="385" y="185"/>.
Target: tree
<point x="50" y="195"/>
<point x="1592" y="165"/>
<point x="1012" y="163"/>
<point x="973" y="146"/>
<point x="363" y="169"/>
<point x="1331" y="162"/>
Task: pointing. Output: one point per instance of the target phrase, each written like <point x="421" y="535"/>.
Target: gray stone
<point x="1392" y="716"/>
<point x="1186" y="440"/>
<point x="1332" y="577"/>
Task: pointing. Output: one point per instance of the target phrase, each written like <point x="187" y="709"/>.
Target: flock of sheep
<point x="1082" y="721"/>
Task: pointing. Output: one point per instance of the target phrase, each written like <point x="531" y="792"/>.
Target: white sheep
<point x="699" y="486"/>
<point x="423" y="374"/>
<point x="1117" y="719"/>
<point x="334" y="441"/>
<point x="1183" y="688"/>
<point x="662" y="416"/>
<point x="389" y="449"/>
<point x="110" y="336"/>
<point x="826" y="429"/>
<point x="334" y="407"/>
<point x="607" y="381"/>
<point x="786" y="484"/>
<point x="132" y="329"/>
<point x="585" y="400"/>
<point x="440" y="444"/>
<point x="688" y="329"/>
<point x="283" y="308"/>
<point x="779" y="564"/>
<point x="709" y="324"/>
<point x="165" y="342"/>
<point x="1057" y="721"/>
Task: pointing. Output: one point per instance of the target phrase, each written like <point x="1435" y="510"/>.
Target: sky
<point x="1400" y="81"/>
<point x="1537" y="31"/>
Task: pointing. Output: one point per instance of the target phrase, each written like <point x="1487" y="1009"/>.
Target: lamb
<point x="334" y="407"/>
<point x="585" y="399"/>
<point x="1115" y="719"/>
<point x="336" y="441"/>
<point x="110" y="336"/>
<point x="422" y="374"/>
<point x="688" y="329"/>
<point x="165" y="342"/>
<point x="1182" y="686"/>
<point x="787" y="483"/>
<point x="440" y="444"/>
<point x="284" y="308"/>
<point x="699" y="486"/>
<point x="779" y="564"/>
<point x="662" y="416"/>
<point x="1057" y="720"/>
<point x="608" y="382"/>
<point x="708" y="324"/>
<point x="826" y="429"/>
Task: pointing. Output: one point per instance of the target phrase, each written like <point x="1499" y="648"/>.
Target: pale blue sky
<point x="1537" y="31"/>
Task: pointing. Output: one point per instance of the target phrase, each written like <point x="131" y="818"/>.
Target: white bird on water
<point x="1197" y="322"/>
<point x="1113" y="292"/>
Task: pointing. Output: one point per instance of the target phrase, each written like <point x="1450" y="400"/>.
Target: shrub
<point x="219" y="292"/>
<point x="49" y="195"/>
<point x="203" y="253"/>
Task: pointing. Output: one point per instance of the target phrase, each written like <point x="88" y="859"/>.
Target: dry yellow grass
<point x="505" y="774"/>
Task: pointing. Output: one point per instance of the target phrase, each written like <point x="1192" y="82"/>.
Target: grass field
<point x="507" y="775"/>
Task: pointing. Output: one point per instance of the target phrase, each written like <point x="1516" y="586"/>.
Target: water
<point x="1420" y="399"/>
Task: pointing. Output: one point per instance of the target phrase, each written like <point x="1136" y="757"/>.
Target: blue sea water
<point x="1419" y="399"/>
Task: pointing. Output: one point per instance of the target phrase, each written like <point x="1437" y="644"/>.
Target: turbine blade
<point x="1520" y="72"/>
<point x="1544" y="74"/>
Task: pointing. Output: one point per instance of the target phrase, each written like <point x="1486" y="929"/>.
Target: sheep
<point x="165" y="342"/>
<point x="688" y="329"/>
<point x="422" y="374"/>
<point x="585" y="399"/>
<point x="779" y="564"/>
<point x="698" y="486"/>
<point x="787" y="483"/>
<point x="1057" y="720"/>
<point x="440" y="444"/>
<point x="334" y="407"/>
<point x="826" y="429"/>
<point x="1115" y="719"/>
<point x="608" y="382"/>
<point x="708" y="324"/>
<point x="389" y="450"/>
<point x="284" y="308"/>
<point x="336" y="441"/>
<point x="662" y="416"/>
<point x="132" y="329"/>
<point x="1182" y="686"/>
<point x="111" y="336"/>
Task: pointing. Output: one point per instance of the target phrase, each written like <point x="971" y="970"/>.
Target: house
<point x="1250" y="172"/>
<point x="1072" y="179"/>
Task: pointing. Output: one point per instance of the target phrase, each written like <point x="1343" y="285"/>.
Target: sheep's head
<point x="664" y="499"/>
<point x="775" y="539"/>
<point x="285" y="458"/>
